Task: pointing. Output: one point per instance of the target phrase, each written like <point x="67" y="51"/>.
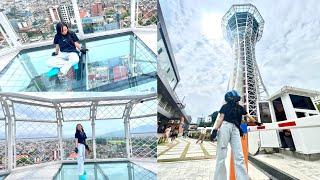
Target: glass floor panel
<point x="121" y="63"/>
<point x="110" y="171"/>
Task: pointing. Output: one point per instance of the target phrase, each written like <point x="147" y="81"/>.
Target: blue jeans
<point x="229" y="133"/>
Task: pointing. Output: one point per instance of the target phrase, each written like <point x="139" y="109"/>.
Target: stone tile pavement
<point x="197" y="170"/>
<point x="301" y="169"/>
<point x="200" y="167"/>
<point x="184" y="149"/>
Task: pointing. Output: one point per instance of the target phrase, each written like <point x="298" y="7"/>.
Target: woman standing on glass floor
<point x="229" y="132"/>
<point x="81" y="147"/>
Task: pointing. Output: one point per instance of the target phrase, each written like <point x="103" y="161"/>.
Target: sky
<point x="287" y="54"/>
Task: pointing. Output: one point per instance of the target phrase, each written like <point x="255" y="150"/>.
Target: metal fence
<point x="36" y="129"/>
<point x="146" y="13"/>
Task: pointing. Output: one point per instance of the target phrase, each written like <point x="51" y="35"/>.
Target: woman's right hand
<point x="214" y="134"/>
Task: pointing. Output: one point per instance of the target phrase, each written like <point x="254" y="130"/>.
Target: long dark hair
<point x="233" y="106"/>
<point x="77" y="131"/>
<point x="59" y="27"/>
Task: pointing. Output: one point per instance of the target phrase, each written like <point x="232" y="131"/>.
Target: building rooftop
<point x="294" y="90"/>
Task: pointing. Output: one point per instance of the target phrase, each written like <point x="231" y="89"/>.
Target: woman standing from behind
<point x="229" y="132"/>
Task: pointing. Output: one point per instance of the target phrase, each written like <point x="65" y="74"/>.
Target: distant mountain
<point x="30" y="136"/>
<point x="145" y="128"/>
<point x="140" y="129"/>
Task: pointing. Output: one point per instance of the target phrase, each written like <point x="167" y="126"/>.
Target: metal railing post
<point x="78" y="19"/>
<point x="59" y="118"/>
<point x="9" y="135"/>
<point x="134" y="15"/>
<point x="132" y="57"/>
<point x="126" y="118"/>
<point x="93" y="112"/>
<point x="12" y="35"/>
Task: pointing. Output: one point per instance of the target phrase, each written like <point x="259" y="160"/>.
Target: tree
<point x="153" y="19"/>
<point x="318" y="106"/>
<point x="24" y="161"/>
<point x="213" y="120"/>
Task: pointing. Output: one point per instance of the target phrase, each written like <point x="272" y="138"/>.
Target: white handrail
<point x="305" y="122"/>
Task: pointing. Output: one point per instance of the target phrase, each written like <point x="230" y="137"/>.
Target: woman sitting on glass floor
<point x="67" y="49"/>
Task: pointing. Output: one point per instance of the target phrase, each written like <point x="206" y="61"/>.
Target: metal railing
<point x="28" y="27"/>
<point x="39" y="129"/>
<point x="301" y="131"/>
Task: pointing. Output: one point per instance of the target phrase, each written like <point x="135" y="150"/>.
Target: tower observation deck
<point x="242" y="26"/>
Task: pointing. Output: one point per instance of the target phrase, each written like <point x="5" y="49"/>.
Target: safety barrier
<point x="37" y="129"/>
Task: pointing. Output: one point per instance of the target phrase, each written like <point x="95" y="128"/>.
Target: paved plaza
<point x="186" y="149"/>
<point x="301" y="169"/>
<point x="191" y="161"/>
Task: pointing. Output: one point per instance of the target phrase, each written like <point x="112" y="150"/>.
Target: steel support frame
<point x="132" y="57"/>
<point x="12" y="35"/>
<point x="133" y="18"/>
<point x="246" y="77"/>
<point x="9" y="113"/>
<point x="59" y="116"/>
<point x="9" y="123"/>
<point x="126" y="121"/>
<point x="78" y="19"/>
<point x="93" y="115"/>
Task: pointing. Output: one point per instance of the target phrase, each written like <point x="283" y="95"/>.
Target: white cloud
<point x="287" y="54"/>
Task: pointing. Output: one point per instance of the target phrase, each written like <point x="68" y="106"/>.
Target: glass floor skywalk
<point x="117" y="62"/>
<point x="113" y="170"/>
<point x="37" y="129"/>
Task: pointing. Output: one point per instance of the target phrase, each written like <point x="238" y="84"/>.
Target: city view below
<point x="36" y="151"/>
<point x="35" y="20"/>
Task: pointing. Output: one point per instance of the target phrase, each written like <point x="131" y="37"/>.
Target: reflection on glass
<point x="122" y="63"/>
<point x="116" y="170"/>
<point x="124" y="60"/>
<point x="164" y="63"/>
